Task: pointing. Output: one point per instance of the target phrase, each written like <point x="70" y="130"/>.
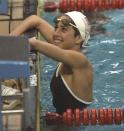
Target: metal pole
<point x="1" y="125"/>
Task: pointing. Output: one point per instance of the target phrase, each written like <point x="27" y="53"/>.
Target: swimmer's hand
<point x="32" y="42"/>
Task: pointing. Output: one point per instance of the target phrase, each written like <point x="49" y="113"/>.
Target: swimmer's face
<point x="64" y="35"/>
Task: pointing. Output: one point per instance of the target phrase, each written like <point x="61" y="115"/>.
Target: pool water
<point x="106" y="53"/>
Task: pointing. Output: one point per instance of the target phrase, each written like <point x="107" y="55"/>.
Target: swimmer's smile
<point x="57" y="40"/>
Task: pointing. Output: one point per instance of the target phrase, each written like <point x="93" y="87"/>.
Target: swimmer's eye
<point x="62" y="28"/>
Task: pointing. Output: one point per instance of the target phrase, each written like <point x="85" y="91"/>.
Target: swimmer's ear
<point x="78" y="39"/>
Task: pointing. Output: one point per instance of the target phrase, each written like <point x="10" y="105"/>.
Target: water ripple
<point x="112" y="72"/>
<point x="115" y="65"/>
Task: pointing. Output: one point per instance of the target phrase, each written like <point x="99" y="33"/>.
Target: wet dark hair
<point x="71" y="21"/>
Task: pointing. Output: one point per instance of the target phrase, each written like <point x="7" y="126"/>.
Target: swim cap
<point x="81" y="23"/>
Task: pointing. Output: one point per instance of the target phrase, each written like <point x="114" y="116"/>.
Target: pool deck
<point x="12" y="122"/>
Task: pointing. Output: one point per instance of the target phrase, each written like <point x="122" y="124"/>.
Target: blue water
<point x="106" y="53"/>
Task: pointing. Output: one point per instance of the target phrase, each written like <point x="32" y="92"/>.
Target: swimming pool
<point x="105" y="51"/>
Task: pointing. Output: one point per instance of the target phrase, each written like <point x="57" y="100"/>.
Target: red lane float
<point x="72" y="5"/>
<point x="118" y="116"/>
<point x="114" y="4"/>
<point x="50" y="6"/>
<point x="102" y="116"/>
<point x="107" y="5"/>
<point x="93" y="116"/>
<point x="77" y="117"/>
<point x="69" y="117"/>
<point x="79" y="5"/>
<point x="93" y="5"/>
<point x="120" y="4"/>
<point x="64" y="118"/>
<point x="123" y="115"/>
<point x="100" y="5"/>
<point x="110" y="116"/>
<point x="52" y="118"/>
<point x="85" y="117"/>
<point x="85" y="5"/>
<point x="63" y="5"/>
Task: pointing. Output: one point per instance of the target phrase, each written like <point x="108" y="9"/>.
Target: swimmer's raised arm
<point x="36" y="22"/>
<point x="74" y="59"/>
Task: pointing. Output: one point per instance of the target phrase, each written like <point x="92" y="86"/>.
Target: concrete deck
<point x="12" y="122"/>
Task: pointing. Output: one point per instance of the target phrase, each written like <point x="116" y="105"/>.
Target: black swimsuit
<point x="62" y="98"/>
